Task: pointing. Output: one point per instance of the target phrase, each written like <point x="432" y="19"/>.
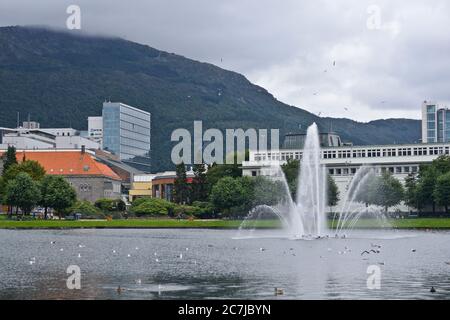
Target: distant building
<point x="126" y="133"/>
<point x="141" y="187"/>
<point x="297" y="140"/>
<point x="342" y="162"/>
<point x="435" y="123"/>
<point x="91" y="179"/>
<point x="36" y="138"/>
<point x="31" y="125"/>
<point x="95" y="129"/>
<point x="163" y="182"/>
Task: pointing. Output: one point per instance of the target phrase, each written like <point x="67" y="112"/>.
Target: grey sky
<point x="286" y="45"/>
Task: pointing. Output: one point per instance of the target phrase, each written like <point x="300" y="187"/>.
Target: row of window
<point x="359" y="153"/>
<point x="393" y="169"/>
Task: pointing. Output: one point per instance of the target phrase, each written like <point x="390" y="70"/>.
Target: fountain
<point x="306" y="217"/>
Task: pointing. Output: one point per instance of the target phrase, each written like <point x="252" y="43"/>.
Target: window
<point x="85" y="187"/>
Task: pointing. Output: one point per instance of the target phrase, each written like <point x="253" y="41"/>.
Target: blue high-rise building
<point x="126" y="133"/>
<point x="435" y="123"/>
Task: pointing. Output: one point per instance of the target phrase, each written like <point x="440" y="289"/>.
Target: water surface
<point x="213" y="264"/>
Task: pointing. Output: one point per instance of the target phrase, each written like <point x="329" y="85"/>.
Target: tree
<point x="181" y="187"/>
<point x="441" y="164"/>
<point x="9" y="158"/>
<point x="199" y="183"/>
<point x="266" y="191"/>
<point x="291" y="169"/>
<point x="332" y="192"/>
<point x="388" y="191"/>
<point x="227" y="193"/>
<point x="219" y="171"/>
<point x="425" y="187"/>
<point x="411" y="191"/>
<point x="385" y="191"/>
<point x="23" y="193"/>
<point x="60" y="195"/>
<point x="33" y="168"/>
<point x="441" y="191"/>
<point x="47" y="192"/>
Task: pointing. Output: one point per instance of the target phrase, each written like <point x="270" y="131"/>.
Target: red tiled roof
<point x="68" y="163"/>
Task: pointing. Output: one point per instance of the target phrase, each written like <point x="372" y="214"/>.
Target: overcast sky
<point x="331" y="57"/>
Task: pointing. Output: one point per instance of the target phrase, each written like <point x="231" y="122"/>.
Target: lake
<point x="213" y="264"/>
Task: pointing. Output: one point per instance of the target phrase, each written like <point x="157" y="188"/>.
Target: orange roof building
<point x="91" y="179"/>
<point x="68" y="163"/>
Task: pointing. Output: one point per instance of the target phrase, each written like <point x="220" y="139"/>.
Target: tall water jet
<point x="311" y="189"/>
<point x="305" y="217"/>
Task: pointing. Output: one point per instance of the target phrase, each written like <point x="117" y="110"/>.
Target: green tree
<point x="332" y="192"/>
<point x="181" y="187"/>
<point x="227" y="193"/>
<point x="60" y="195"/>
<point x="266" y="191"/>
<point x="219" y="171"/>
<point x="385" y="191"/>
<point x="33" y="168"/>
<point x="47" y="192"/>
<point x="389" y="191"/>
<point x="9" y="158"/>
<point x="441" y="191"/>
<point x="291" y="170"/>
<point x="199" y="183"/>
<point x="425" y="187"/>
<point x="23" y="193"/>
<point x="441" y="164"/>
<point x="411" y="191"/>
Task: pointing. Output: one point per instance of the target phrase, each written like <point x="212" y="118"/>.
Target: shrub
<point x="205" y="210"/>
<point x="184" y="210"/>
<point x="153" y="207"/>
<point x="110" y="205"/>
<point x="87" y="209"/>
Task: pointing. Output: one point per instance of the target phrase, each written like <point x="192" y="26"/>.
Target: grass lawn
<point x="419" y="223"/>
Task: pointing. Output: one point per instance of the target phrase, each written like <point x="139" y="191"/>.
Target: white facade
<point x="95" y="129"/>
<point x="75" y="142"/>
<point x="41" y="139"/>
<point x="343" y="162"/>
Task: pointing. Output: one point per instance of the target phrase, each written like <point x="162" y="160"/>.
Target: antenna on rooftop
<point x="18" y="119"/>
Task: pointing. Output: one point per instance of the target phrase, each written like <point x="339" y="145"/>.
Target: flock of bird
<point x="374" y="249"/>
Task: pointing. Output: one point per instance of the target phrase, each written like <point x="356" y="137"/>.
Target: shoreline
<point x="393" y="224"/>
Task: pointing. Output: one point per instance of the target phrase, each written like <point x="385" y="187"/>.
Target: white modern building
<point x="343" y="162"/>
<point x="95" y="129"/>
<point x="38" y="138"/>
<point x="435" y="122"/>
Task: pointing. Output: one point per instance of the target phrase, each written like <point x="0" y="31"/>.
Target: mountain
<point x="61" y="78"/>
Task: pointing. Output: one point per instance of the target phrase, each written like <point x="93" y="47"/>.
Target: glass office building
<point x="435" y="123"/>
<point x="126" y="133"/>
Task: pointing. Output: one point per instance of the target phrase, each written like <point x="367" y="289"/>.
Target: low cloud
<point x="317" y="55"/>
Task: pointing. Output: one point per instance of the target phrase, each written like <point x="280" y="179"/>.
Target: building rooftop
<point x="67" y="163"/>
